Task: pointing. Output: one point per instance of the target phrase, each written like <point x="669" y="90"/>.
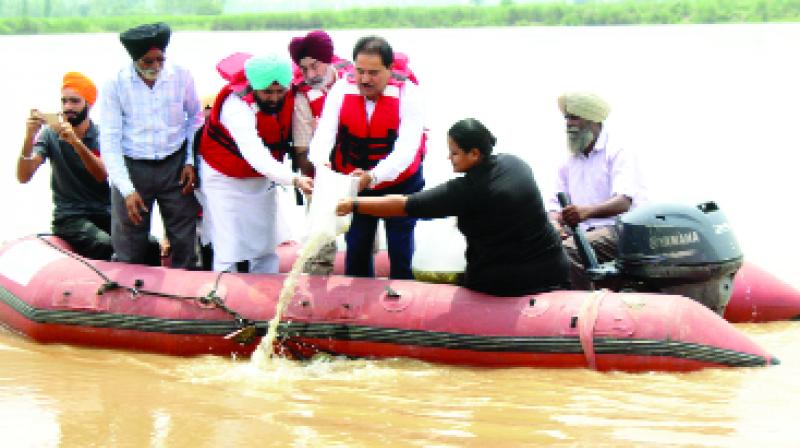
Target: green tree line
<point x="507" y="14"/>
<point x="91" y="8"/>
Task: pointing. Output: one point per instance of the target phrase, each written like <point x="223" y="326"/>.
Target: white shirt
<point x="607" y="171"/>
<point x="408" y="138"/>
<point x="146" y="123"/>
<point x="240" y="120"/>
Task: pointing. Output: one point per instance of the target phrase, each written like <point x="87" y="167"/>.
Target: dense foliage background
<point x="65" y="16"/>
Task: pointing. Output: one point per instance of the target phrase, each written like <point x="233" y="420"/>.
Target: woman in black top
<point x="512" y="249"/>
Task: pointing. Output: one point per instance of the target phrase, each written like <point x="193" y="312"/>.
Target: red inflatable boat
<point x="758" y="296"/>
<point x="52" y="296"/>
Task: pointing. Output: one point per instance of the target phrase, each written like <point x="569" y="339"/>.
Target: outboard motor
<point x="678" y="249"/>
<point x="669" y="248"/>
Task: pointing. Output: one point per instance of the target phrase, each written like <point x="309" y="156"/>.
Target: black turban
<point x="139" y="40"/>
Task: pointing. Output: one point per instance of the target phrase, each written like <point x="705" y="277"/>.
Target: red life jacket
<point x="400" y="66"/>
<point x="362" y="143"/>
<point x="220" y="150"/>
<point x="316" y="97"/>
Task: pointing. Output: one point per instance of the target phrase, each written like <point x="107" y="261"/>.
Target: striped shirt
<point x="303" y="121"/>
<point x="146" y="123"/>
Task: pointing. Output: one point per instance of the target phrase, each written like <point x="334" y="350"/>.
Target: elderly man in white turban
<point x="601" y="178"/>
<point x="245" y="139"/>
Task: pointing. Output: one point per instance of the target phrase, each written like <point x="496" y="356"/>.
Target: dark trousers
<point x="360" y="237"/>
<point x="604" y="242"/>
<point x="156" y="181"/>
<point x="90" y="236"/>
<point x="87" y="234"/>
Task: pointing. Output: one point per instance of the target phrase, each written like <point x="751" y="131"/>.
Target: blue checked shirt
<point x="146" y="124"/>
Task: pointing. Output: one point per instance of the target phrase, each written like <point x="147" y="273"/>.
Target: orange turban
<point x="81" y="84"/>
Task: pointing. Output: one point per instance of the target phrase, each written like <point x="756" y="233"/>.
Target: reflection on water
<point x="701" y="104"/>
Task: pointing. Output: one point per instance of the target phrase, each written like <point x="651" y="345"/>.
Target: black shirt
<point x="512" y="249"/>
<point x="75" y="190"/>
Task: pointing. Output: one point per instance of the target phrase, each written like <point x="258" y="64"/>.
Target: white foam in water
<point x="311" y="247"/>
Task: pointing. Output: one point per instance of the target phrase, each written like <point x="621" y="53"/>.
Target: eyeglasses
<point x="70" y="99"/>
<point x="151" y="61"/>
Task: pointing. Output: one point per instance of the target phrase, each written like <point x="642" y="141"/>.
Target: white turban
<point x="586" y="105"/>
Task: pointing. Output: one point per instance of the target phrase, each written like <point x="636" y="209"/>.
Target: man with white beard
<point x="150" y="112"/>
<point x="320" y="68"/>
<point x="601" y="178"/>
<point x="313" y="54"/>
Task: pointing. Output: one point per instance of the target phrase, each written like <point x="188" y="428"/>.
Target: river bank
<point x="627" y="12"/>
<point x="708" y="108"/>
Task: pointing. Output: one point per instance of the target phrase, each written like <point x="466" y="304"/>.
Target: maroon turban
<point x="316" y="44"/>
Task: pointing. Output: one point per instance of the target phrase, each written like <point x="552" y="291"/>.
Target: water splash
<point x="266" y="349"/>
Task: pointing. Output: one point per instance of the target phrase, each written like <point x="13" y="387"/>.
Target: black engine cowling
<point x="679" y="249"/>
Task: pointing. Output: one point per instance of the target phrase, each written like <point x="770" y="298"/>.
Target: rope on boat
<point x="326" y="337"/>
<point x="246" y="328"/>
<point x="586" y="320"/>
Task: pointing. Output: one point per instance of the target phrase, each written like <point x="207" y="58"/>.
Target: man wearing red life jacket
<point x="372" y="127"/>
<point x="319" y="68"/>
<point x="244" y="141"/>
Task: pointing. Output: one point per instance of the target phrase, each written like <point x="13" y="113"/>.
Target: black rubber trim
<point x="525" y="344"/>
<point x="119" y="321"/>
<point x="359" y="333"/>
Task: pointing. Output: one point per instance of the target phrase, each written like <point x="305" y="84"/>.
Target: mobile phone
<point x="52" y="119"/>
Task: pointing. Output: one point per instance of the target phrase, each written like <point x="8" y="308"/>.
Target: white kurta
<point x="240" y="215"/>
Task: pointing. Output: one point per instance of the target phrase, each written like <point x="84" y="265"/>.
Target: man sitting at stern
<point x="601" y="178"/>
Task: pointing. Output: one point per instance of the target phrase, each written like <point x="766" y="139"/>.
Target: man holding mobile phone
<point x="81" y="196"/>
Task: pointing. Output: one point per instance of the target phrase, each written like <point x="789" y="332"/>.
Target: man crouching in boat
<point x="601" y="178"/>
<point x="81" y="195"/>
<point x="245" y="139"/>
<point x="512" y="249"/>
